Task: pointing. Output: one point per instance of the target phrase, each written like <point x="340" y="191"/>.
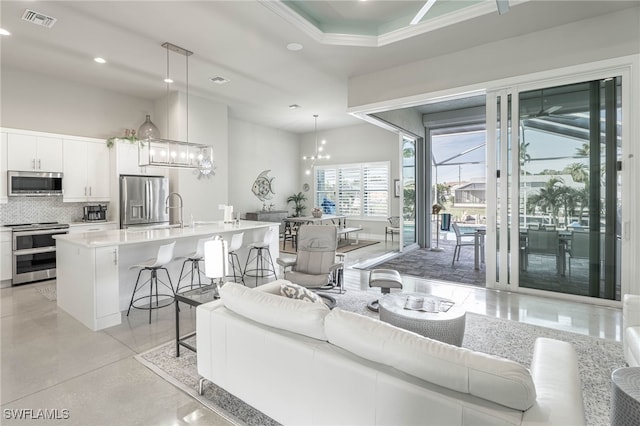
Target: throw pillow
<point x="295" y="291"/>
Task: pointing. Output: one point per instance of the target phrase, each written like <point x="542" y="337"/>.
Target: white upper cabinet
<point x="3" y="167"/>
<point x="127" y="154"/>
<point x="86" y="171"/>
<point x="28" y="152"/>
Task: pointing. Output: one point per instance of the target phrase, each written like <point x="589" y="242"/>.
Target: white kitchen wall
<point x="33" y="101"/>
<point x="355" y="144"/>
<point x="253" y="149"/>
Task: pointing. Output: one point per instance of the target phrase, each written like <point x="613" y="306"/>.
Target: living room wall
<point x="253" y="149"/>
<point x="355" y="144"/>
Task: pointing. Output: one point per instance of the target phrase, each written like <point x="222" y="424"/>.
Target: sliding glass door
<point x="408" y="191"/>
<point x="556" y="152"/>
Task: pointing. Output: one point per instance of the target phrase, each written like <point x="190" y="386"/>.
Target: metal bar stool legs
<point x="165" y="256"/>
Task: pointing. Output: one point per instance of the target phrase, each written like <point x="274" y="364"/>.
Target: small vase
<point x="317" y="213"/>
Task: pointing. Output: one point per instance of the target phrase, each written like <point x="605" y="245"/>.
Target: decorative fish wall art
<point x="263" y="186"/>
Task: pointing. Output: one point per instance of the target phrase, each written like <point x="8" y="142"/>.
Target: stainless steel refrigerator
<point x="142" y="200"/>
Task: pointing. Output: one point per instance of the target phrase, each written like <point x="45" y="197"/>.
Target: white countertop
<point x="93" y="222"/>
<point x="143" y="235"/>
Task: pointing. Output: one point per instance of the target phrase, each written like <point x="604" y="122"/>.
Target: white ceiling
<point x="245" y="41"/>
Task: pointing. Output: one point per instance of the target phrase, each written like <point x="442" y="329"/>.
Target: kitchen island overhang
<point x="94" y="282"/>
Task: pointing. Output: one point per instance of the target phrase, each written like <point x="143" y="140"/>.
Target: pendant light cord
<point x="167" y="82"/>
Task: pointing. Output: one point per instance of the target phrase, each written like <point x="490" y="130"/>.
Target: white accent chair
<point x="631" y="329"/>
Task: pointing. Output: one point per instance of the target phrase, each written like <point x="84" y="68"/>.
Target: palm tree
<point x="578" y="171"/>
<point x="550" y="198"/>
<point x="584" y="151"/>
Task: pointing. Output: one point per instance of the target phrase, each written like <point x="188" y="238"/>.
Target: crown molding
<point x="288" y="14"/>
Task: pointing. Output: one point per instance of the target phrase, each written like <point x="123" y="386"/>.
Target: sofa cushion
<point x="276" y="311"/>
<point x="295" y="291"/>
<point x="632" y="342"/>
<point x="492" y="378"/>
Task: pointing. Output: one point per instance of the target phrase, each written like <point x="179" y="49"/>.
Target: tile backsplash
<point x="40" y="209"/>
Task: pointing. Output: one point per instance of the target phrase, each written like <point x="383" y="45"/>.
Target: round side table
<point x="447" y="327"/>
<point x="625" y="396"/>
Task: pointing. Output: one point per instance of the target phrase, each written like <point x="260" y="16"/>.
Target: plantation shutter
<point x="349" y="185"/>
<point x="376" y="190"/>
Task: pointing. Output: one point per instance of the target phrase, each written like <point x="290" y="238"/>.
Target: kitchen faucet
<point x="180" y="205"/>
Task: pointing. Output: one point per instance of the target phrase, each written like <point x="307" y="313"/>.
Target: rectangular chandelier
<point x="170" y="153"/>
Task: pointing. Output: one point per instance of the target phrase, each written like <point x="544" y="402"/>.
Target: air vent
<point x="219" y="80"/>
<point x="38" y="18"/>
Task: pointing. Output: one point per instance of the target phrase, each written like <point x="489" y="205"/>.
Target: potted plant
<point x="297" y="199"/>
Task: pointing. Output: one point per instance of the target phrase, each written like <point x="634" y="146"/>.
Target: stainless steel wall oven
<point x="34" y="251"/>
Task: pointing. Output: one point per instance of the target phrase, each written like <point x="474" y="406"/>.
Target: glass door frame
<point x="402" y="137"/>
<point x="509" y="95"/>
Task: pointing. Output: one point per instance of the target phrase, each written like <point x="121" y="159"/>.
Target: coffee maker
<point x="95" y="213"/>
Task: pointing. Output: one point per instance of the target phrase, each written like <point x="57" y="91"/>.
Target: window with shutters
<point x="355" y="190"/>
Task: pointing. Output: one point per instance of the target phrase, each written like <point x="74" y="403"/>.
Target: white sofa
<point x="300" y="364"/>
<point x="631" y="329"/>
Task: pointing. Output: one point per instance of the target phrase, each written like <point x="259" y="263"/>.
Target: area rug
<point x="344" y="247"/>
<point x="436" y="265"/>
<point x="48" y="291"/>
<point x="510" y="339"/>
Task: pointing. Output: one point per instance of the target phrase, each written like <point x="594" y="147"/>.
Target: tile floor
<point x="51" y="361"/>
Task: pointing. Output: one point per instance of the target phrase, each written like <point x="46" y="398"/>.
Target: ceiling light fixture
<point x="294" y="106"/>
<point x="219" y="80"/>
<point x="317" y="155"/>
<point x="100" y="60"/>
<point x="294" y="47"/>
<point x="153" y="151"/>
<point x="4" y="32"/>
<point x="423" y="11"/>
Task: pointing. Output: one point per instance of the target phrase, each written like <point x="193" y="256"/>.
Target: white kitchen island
<point x="94" y="282"/>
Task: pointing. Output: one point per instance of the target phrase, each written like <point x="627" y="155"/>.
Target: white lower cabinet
<point x="6" y="268"/>
<point x="106" y="264"/>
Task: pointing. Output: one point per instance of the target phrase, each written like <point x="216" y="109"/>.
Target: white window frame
<point x="362" y="166"/>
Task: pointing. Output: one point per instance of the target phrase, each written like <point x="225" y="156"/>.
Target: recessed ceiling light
<point x="294" y="106"/>
<point x="219" y="80"/>
<point x="294" y="47"/>
<point x="100" y="60"/>
<point x="168" y="80"/>
<point x="4" y="32"/>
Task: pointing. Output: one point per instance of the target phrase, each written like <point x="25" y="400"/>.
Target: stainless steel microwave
<point x="34" y="184"/>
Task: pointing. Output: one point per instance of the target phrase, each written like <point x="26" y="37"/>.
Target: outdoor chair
<point x="579" y="247"/>
<point x="315" y="265"/>
<point x="461" y="241"/>
<point x="392" y="228"/>
<point x="543" y="242"/>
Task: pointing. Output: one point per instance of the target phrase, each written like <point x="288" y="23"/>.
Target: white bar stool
<point x="164" y="257"/>
<point x="264" y="266"/>
<point x="236" y="267"/>
<point x="195" y="258"/>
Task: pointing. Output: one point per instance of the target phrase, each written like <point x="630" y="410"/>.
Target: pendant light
<point x="319" y="149"/>
<point x="154" y="151"/>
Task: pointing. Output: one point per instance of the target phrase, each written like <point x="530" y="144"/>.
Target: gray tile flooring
<point x="50" y="361"/>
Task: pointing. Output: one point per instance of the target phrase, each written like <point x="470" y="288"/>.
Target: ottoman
<point x="385" y="279"/>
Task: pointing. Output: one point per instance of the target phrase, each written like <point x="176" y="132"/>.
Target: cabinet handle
<point x="115" y="256"/>
<point x="85" y="191"/>
<point x="39" y="165"/>
<point x="33" y="164"/>
<point x="89" y="191"/>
